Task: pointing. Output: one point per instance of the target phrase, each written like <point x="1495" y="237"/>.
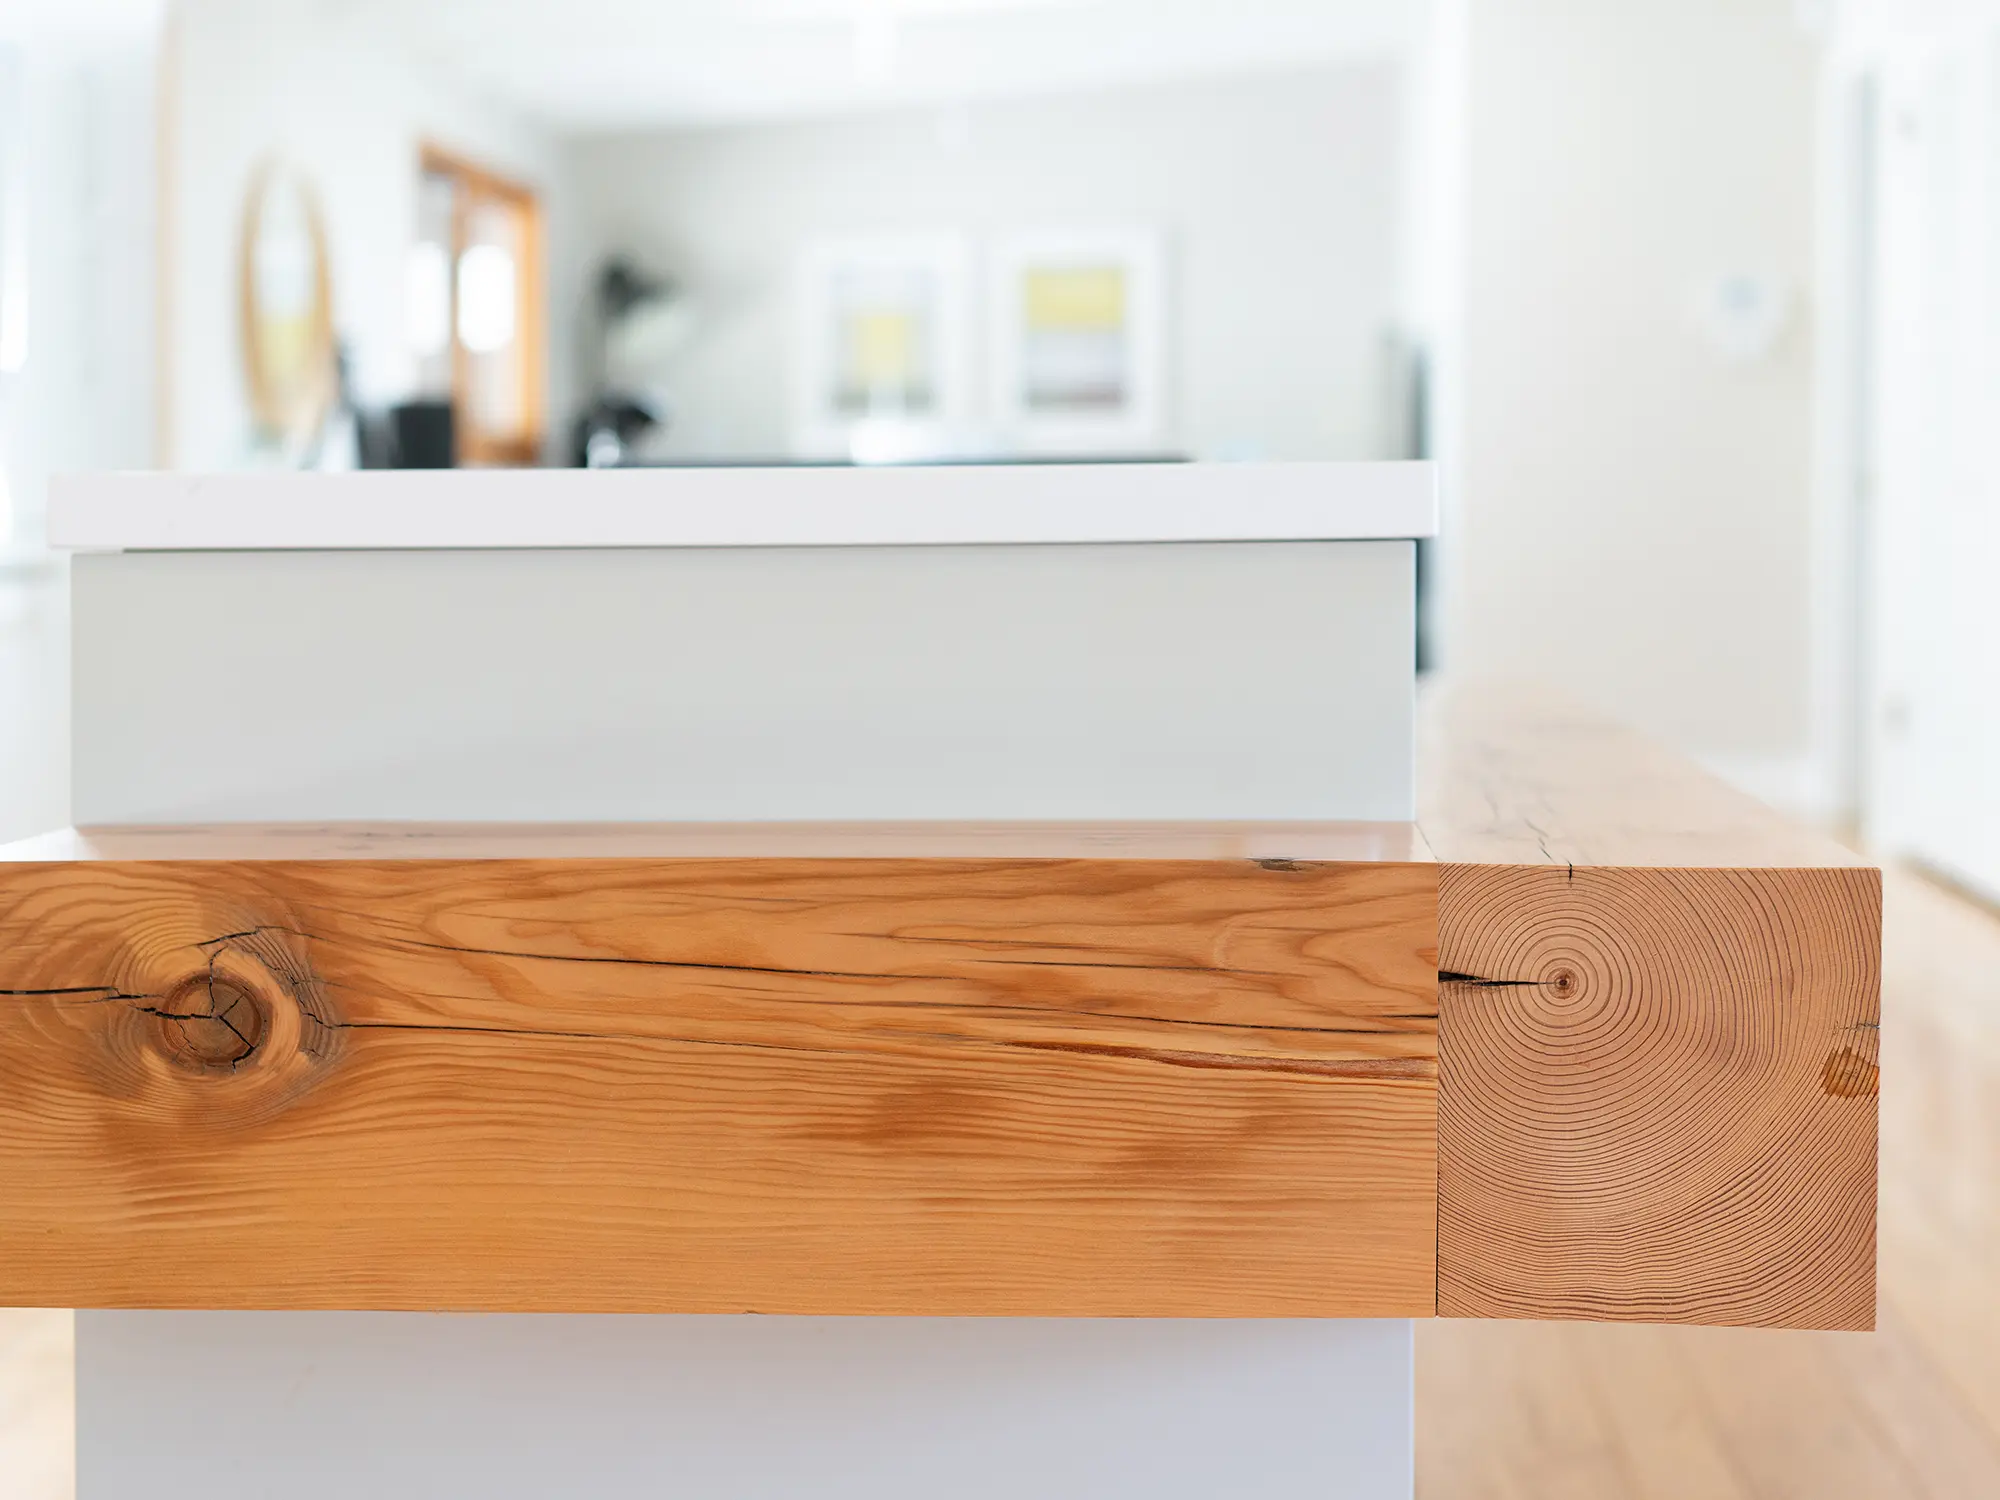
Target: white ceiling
<point x="607" y="65"/>
<point x="79" y="20"/>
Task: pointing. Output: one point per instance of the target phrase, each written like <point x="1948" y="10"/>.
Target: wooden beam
<point x="1614" y="1058"/>
<point x="1658" y="1037"/>
<point x="1193" y="1075"/>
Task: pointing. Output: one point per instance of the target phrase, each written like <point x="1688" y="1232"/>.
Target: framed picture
<point x="881" y="348"/>
<point x="1079" y="342"/>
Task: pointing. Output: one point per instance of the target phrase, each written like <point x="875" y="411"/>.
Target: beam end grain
<point x="1657" y="1095"/>
<point x="1659" y="1017"/>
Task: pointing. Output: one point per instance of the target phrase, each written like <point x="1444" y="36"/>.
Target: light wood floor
<point x="37" y="1406"/>
<point x="1536" y="1411"/>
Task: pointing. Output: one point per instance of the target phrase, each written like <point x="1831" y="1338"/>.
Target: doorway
<point x="478" y="307"/>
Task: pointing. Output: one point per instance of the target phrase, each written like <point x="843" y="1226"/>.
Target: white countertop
<point x="745" y="507"/>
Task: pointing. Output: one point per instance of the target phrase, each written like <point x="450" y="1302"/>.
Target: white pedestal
<point x="331" y="1406"/>
<point x="475" y="668"/>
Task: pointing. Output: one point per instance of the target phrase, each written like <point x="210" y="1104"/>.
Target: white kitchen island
<point x="1131" y="642"/>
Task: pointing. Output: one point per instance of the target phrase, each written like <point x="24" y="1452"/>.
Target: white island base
<point x="333" y="1406"/>
<point x="1204" y="677"/>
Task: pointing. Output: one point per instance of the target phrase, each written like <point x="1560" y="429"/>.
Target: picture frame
<point x="1078" y="341"/>
<point x="880" y="348"/>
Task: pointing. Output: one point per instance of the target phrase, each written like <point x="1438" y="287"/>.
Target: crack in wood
<point x="102" y="991"/>
<point x="1330" y="1068"/>
<point x="106" y="994"/>
<point x="987" y="1008"/>
<point x="1390" y="1067"/>
<point x="1368" y="1067"/>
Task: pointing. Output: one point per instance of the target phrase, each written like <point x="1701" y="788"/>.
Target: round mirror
<point x="288" y="353"/>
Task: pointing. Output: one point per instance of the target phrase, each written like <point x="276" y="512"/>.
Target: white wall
<point x="252" y="79"/>
<point x="1278" y="193"/>
<point x="1929" y="387"/>
<point x="80" y="198"/>
<point x="1629" y="517"/>
<point x="76" y="253"/>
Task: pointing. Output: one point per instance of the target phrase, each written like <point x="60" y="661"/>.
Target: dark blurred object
<point x="337" y="441"/>
<point x="622" y="286"/>
<point x="426" y="435"/>
<point x="367" y="436"/>
<point x="375" y="439"/>
<point x="606" y="432"/>
<point x="624" y="298"/>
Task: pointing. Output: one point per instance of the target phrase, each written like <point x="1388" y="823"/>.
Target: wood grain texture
<point x="1509" y="773"/>
<point x="994" y="1086"/>
<point x="1658" y="1039"/>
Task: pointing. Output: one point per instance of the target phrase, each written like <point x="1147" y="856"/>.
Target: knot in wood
<point x="212" y="1025"/>
<point x="1848" y="1075"/>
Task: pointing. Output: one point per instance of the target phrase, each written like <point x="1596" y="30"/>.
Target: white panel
<point x="1228" y="680"/>
<point x="34" y="673"/>
<point x="319" y="1406"/>
<point x="748" y="507"/>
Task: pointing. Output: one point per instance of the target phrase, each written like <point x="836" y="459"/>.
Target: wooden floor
<point x="37" y="1406"/>
<point x="1513" y="1411"/>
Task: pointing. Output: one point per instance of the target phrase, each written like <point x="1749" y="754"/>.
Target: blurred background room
<point x="1696" y="301"/>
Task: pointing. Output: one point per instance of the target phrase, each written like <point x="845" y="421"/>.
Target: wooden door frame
<point x="531" y="313"/>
